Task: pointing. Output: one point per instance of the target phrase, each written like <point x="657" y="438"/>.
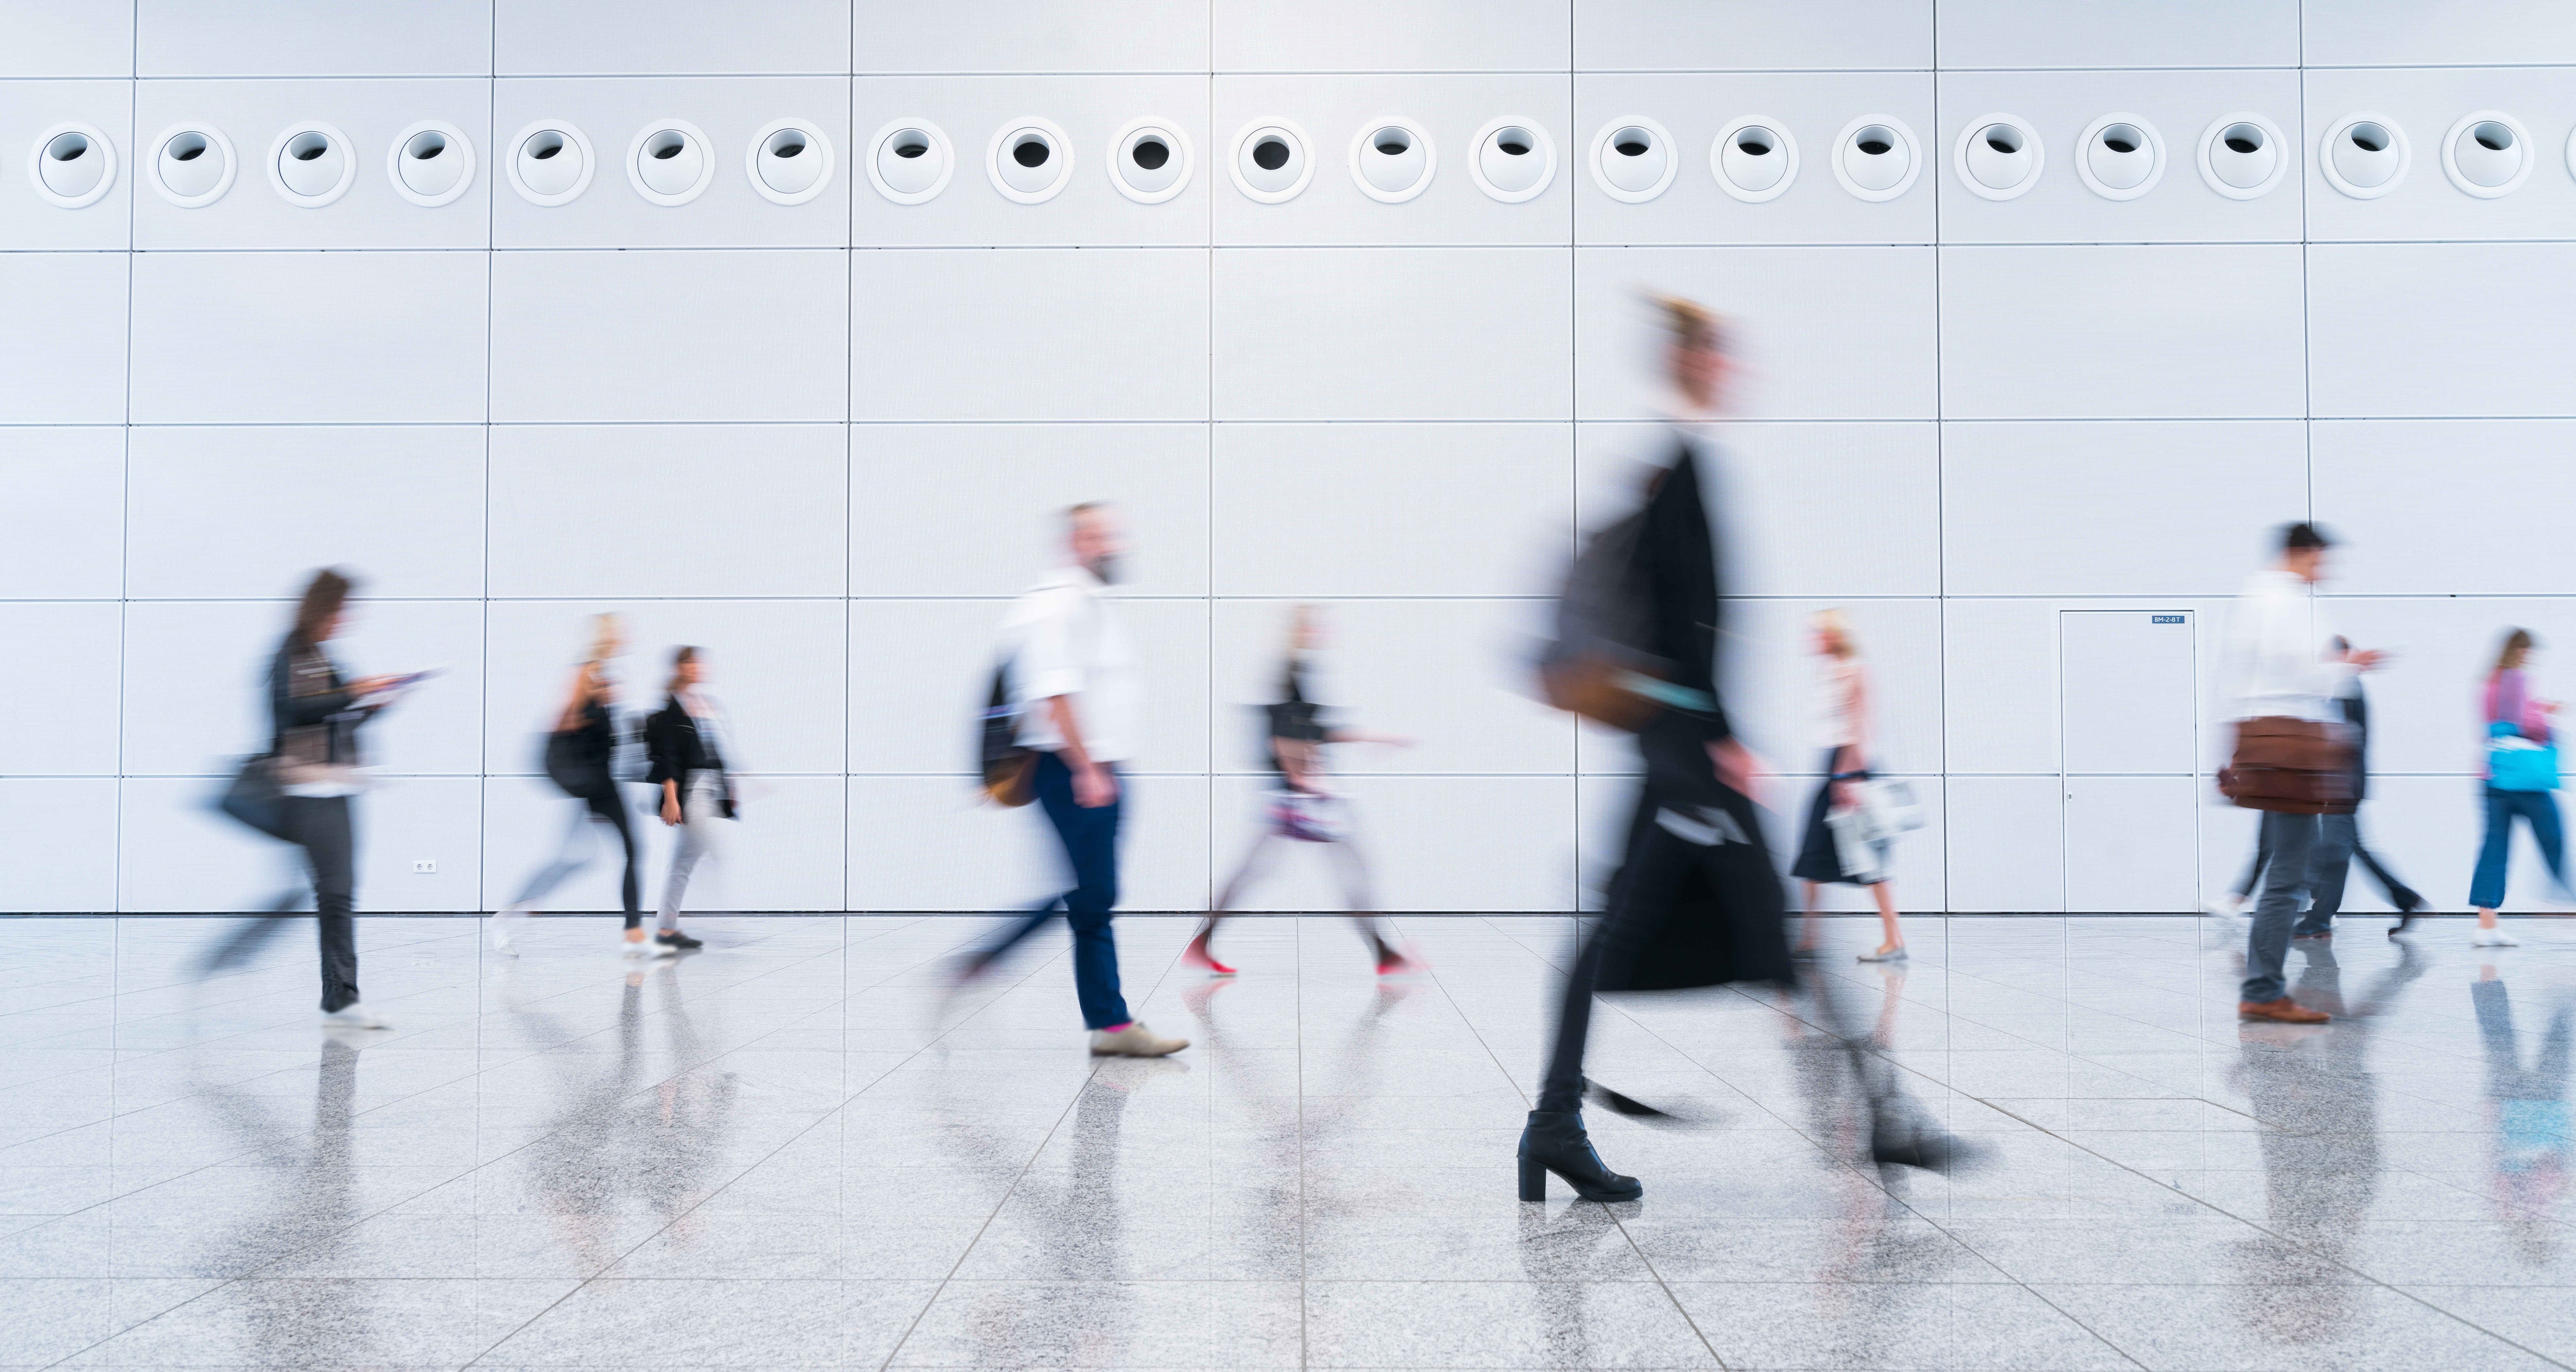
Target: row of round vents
<point x="1875" y="157"/>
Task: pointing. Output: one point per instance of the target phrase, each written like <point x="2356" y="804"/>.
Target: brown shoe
<point x="2285" y="1010"/>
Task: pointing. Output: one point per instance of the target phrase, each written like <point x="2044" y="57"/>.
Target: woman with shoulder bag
<point x="578" y="757"/>
<point x="1842" y="725"/>
<point x="686" y="741"/>
<point x="2521" y="771"/>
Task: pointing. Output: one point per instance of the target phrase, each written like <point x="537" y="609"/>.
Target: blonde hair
<point x="1834" y="623"/>
<point x="606" y="632"/>
<point x="1690" y="324"/>
<point x="2517" y="644"/>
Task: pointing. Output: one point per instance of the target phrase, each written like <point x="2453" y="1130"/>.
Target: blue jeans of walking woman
<point x="2539" y="809"/>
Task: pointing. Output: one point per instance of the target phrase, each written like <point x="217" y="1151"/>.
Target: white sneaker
<point x="2493" y="938"/>
<point x="648" y="949"/>
<point x="505" y="928"/>
<point x="1134" y="1041"/>
<point x="355" y="1015"/>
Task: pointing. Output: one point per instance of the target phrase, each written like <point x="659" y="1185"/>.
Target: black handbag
<point x="255" y="798"/>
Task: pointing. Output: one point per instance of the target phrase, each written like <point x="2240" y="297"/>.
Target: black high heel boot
<point x="1553" y="1142"/>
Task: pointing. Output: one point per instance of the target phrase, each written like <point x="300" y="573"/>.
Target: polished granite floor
<point x="794" y="1149"/>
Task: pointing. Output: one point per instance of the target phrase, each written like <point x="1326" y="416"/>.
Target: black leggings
<point x="608" y="803"/>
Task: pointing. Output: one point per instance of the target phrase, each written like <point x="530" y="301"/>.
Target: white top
<point x="1838" y="704"/>
<point x="2277" y="640"/>
<point x="1063" y="638"/>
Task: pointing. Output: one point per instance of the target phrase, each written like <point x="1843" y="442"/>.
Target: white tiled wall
<point x="827" y="441"/>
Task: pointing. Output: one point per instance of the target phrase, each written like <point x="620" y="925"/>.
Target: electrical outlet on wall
<point x="425" y="867"/>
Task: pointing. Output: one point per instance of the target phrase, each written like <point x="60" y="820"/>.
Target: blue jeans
<point x="1090" y="838"/>
<point x="2540" y="810"/>
<point x="2291" y="840"/>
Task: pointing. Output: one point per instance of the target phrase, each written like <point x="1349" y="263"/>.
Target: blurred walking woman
<point x="1842" y="723"/>
<point x="2522" y="769"/>
<point x="316" y="714"/>
<point x="579" y="751"/>
<point x="686" y="740"/>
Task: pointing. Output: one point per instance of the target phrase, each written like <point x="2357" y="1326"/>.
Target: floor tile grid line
<point x="1073" y="1101"/>
<point x="361" y="1220"/>
<point x="839" y="951"/>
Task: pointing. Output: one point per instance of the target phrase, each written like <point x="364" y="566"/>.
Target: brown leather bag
<point x="2292" y="767"/>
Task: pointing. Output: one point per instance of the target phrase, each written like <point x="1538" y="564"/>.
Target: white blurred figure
<point x="1306" y="808"/>
<point x="579" y="756"/>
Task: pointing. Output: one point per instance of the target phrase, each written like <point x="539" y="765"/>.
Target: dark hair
<point x="323" y="597"/>
<point x="2303" y="537"/>
<point x="2517" y="645"/>
<point x="681" y="658"/>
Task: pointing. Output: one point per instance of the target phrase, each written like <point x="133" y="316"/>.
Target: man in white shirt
<point x="1073" y="676"/>
<point x="2281" y="664"/>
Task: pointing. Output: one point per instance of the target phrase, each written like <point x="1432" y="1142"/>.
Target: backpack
<point x="1597" y="662"/>
<point x="1009" y="771"/>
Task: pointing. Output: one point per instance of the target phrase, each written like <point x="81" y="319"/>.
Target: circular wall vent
<point x="670" y="162"/>
<point x="1029" y="160"/>
<point x="2364" y="155"/>
<point x="2242" y="155"/>
<point x="910" y="160"/>
<point x="192" y="164"/>
<point x="1754" y="159"/>
<point x="2487" y="154"/>
<point x="1633" y="159"/>
<point x="1271" y="163"/>
<point x="72" y="166"/>
<point x="1877" y="158"/>
<point x="1392" y="160"/>
<point x="2120" y="156"/>
<point x="1150" y="160"/>
<point x="431" y="163"/>
<point x="1512" y="159"/>
<point x="551" y="163"/>
<point x="311" y="164"/>
<point x="789" y="161"/>
<point x="1998" y="157"/>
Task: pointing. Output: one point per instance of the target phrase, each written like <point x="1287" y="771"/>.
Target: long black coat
<point x="1697" y="901"/>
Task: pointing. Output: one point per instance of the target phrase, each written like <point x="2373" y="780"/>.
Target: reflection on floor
<point x="794" y="1149"/>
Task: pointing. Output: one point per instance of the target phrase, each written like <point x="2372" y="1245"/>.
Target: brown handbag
<point x="2292" y="767"/>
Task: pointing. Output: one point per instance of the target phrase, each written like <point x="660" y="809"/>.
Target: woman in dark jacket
<point x="315" y="716"/>
<point x="577" y="758"/>
<point x="686" y="741"/>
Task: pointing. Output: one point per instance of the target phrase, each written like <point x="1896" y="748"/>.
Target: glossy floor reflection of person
<point x="796" y="1147"/>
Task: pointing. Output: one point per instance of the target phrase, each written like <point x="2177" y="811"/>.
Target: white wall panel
<point x="2115" y="508"/>
<point x="69" y="732"/>
<point x="2429" y="829"/>
<point x="234" y="513"/>
<point x="2061" y="105"/>
<point x="27" y="109"/>
<point x="69" y="825"/>
<point x="310" y="38"/>
<point x="2000" y="696"/>
<point x="775" y="664"/>
<point x="2426" y="706"/>
<point x="175" y="852"/>
<point x="369" y="214"/>
<point x="1695" y="106"/>
<point x="1033" y="36"/>
<point x="607" y="337"/>
<point x="568" y="503"/>
<point x="1382" y="333"/>
<point x="2424" y="103"/>
<point x="1817" y="333"/>
<point x="2227" y="837"/>
<point x="2344" y="33"/>
<point x="1450" y="675"/>
<point x="929" y="843"/>
<point x="2006" y="841"/>
<point x="525" y="820"/>
<point x="1390" y="509"/>
<point x="1472" y="844"/>
<point x="929" y="663"/>
<point x="2121" y="332"/>
<point x="570" y="38"/>
<point x="2482" y="334"/>
<point x="2129" y="842"/>
<point x="1751" y="35"/>
<point x="1335" y="110"/>
<point x="1089" y="211"/>
<point x="1426" y="36"/>
<point x="1054" y="334"/>
<point x="2098" y="33"/>
<point x="308" y="338"/>
<point x="76" y="479"/>
<point x="63" y="362"/>
<point x="729" y="213"/>
<point x="1881" y="482"/>
<point x="49" y="39"/>
<point x="784" y="853"/>
<point x="913" y="486"/>
<point x="196" y="681"/>
<point x="2403" y="534"/>
<point x="402" y="821"/>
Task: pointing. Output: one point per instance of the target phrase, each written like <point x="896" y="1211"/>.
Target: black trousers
<point x="321" y="827"/>
<point x="606" y="802"/>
